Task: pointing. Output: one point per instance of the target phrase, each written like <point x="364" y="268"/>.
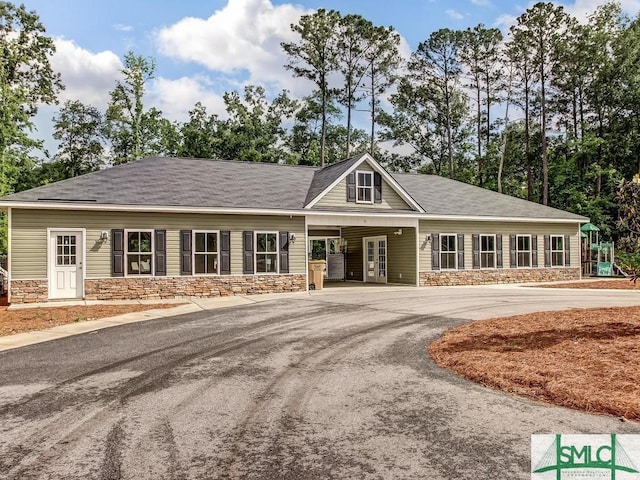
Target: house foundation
<point x="507" y="275"/>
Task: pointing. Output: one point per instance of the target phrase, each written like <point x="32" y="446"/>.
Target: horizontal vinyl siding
<point x="29" y="237"/>
<point x="401" y="258"/>
<point x="505" y="229"/>
<point x="337" y="197"/>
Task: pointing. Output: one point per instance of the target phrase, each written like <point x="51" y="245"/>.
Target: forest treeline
<point x="549" y="112"/>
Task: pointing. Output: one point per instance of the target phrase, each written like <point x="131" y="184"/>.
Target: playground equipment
<point x="598" y="258"/>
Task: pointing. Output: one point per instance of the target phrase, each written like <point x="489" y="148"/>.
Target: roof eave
<point x="265" y="211"/>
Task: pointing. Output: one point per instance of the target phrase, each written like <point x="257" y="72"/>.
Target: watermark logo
<point x="585" y="457"/>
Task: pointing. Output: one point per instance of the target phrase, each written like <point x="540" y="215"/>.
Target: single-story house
<point x="165" y="227"/>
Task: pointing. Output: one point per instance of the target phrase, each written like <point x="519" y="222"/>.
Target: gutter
<point x="263" y="211"/>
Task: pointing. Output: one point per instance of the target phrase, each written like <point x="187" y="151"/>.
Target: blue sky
<point x="204" y="48"/>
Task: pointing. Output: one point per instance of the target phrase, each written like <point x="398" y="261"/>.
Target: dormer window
<point x="364" y="187"/>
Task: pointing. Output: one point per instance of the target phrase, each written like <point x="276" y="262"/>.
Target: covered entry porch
<point x="365" y="250"/>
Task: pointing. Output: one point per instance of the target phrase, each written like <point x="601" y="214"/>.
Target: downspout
<point x="579" y="254"/>
<point x="417" y="252"/>
<point x="9" y="255"/>
<point x="306" y="254"/>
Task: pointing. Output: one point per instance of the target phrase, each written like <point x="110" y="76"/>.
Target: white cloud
<point x="123" y="28"/>
<point x="242" y="37"/>
<point x="176" y="97"/>
<point x="88" y="77"/>
<point x="505" y="21"/>
<point x="581" y="9"/>
<point x="454" y="14"/>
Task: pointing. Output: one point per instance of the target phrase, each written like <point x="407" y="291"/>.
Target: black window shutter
<point x="160" y="248"/>
<point x="534" y="251"/>
<point x="247" y="253"/>
<point x="351" y="187"/>
<point x="567" y="250"/>
<point x="460" y="247"/>
<point x="225" y="252"/>
<point x="498" y="251"/>
<point x="377" y="190"/>
<point x="475" y="246"/>
<point x="117" y="253"/>
<point x="185" y="252"/>
<point x="512" y="251"/>
<point x="547" y="250"/>
<point x="284" y="252"/>
<point x="435" y="251"/>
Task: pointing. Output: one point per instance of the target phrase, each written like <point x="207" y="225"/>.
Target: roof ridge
<point x="225" y="160"/>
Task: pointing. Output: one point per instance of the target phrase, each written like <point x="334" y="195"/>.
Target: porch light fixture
<point x="398" y="232"/>
<point x="104" y="235"/>
<point x="292" y="238"/>
<point x="428" y="238"/>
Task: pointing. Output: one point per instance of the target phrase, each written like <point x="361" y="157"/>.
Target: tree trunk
<point x="323" y="127"/>
<point x="527" y="143"/>
<point x="449" y="136"/>
<point x="488" y="87"/>
<point x="349" y="106"/>
<point x="545" y="160"/>
<point x="503" y="148"/>
<point x="581" y="107"/>
<point x="373" y="112"/>
<point x="479" y="126"/>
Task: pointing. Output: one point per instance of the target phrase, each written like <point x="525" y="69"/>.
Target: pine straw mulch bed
<point x="614" y="284"/>
<point x="586" y="359"/>
<point x="39" y="318"/>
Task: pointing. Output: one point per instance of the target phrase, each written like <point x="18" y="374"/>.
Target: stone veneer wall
<point x="501" y="275"/>
<point x="29" y="291"/>
<point x="132" y="288"/>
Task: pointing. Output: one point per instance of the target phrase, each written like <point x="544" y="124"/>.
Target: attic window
<point x="364" y="187"/>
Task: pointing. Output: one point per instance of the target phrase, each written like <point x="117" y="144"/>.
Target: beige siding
<point x="337" y="197"/>
<point x="29" y="237"/>
<point x="503" y="228"/>
<point x="401" y="258"/>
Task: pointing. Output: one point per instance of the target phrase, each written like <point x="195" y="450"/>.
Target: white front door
<point x="66" y="258"/>
<point x="375" y="259"/>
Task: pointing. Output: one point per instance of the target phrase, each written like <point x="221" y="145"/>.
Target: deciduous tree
<point x="79" y="131"/>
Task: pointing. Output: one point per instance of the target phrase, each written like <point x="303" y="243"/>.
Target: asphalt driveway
<point x="331" y="385"/>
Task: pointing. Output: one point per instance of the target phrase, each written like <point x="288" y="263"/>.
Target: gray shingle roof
<point x="327" y="175"/>
<point x="443" y="196"/>
<point x="186" y="182"/>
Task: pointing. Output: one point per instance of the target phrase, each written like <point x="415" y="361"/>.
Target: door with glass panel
<point x="66" y="255"/>
<point x="328" y="249"/>
<point x="375" y="259"/>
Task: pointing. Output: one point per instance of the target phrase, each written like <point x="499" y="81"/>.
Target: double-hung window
<point x="139" y="252"/>
<point x="364" y="187"/>
<point x="205" y="252"/>
<point x="557" y="250"/>
<point x="266" y="252"/>
<point x="487" y="251"/>
<point x="523" y="250"/>
<point x="448" y="251"/>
